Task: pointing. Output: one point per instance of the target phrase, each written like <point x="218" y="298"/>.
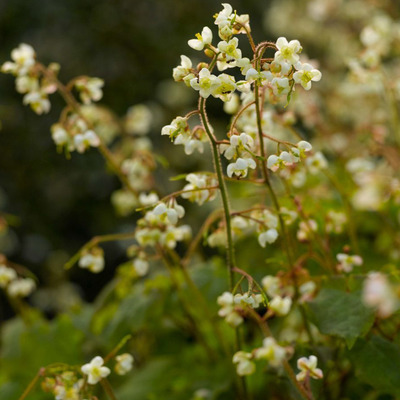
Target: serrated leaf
<point x="342" y="314"/>
<point x="377" y="363"/>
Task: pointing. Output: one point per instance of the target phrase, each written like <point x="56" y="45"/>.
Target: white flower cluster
<point x="93" y="260"/>
<point x="180" y="133"/>
<point x="288" y="158"/>
<point x="197" y="188"/>
<point x="15" y="286"/>
<point x="281" y="301"/>
<point x="234" y="306"/>
<point x="347" y="262"/>
<point x="90" y="89"/>
<point x="29" y="80"/>
<point x="270" y="351"/>
<point x="379" y="294"/>
<point x="74" y="134"/>
<point x="124" y="363"/>
<point x="279" y="76"/>
<point x="158" y="226"/>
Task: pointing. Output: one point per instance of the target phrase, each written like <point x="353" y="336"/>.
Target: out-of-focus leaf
<point x="377" y="363"/>
<point x="342" y="314"/>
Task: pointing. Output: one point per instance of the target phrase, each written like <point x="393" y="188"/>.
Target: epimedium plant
<point x="298" y="324"/>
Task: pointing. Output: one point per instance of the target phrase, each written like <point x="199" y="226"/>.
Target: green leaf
<point x="341" y="314"/>
<point x="377" y="363"/>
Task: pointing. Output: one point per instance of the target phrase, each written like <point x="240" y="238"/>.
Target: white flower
<point x="206" y="83"/>
<point x="271" y="351"/>
<point x="173" y="234"/>
<point x="38" y="101"/>
<point x="148" y="199"/>
<point x="25" y="84"/>
<point x="169" y="214"/>
<point x="305" y="229"/>
<point x="232" y="106"/>
<point x="6" y="275"/>
<point x="268" y="236"/>
<point x="227" y="311"/>
<point x="86" y="140"/>
<point x="378" y="294"/>
<point x="182" y="71"/>
<point x="238" y="144"/>
<point x="94" y="263"/>
<point x="89" y="89"/>
<point x="199" y="181"/>
<point x="95" y="370"/>
<point x="280" y="306"/>
<point x="141" y="266"/>
<point x="280" y="86"/>
<point x="305" y="74"/>
<point x="138" y="120"/>
<point x="271" y="284"/>
<point x="240" y="167"/>
<point x="287" y="51"/>
<point x="21" y="287"/>
<point x="224" y="16"/>
<point x="202" y="40"/>
<point x="308" y="367"/>
<point x="316" y="162"/>
<point x="244" y="365"/>
<point x="177" y="127"/>
<point x="253" y="75"/>
<point x="347" y="262"/>
<point x="226" y="87"/>
<point x="230" y="49"/>
<point x="124" y="363"/>
<point x="59" y="135"/>
<point x="24" y="59"/>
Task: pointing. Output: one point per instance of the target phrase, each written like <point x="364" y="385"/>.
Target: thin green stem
<point x="223" y="191"/>
<point x="32" y="384"/>
<point x="94" y="242"/>
<point x="108" y="388"/>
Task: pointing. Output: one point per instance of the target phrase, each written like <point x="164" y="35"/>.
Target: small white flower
<point x="378" y="294"/>
<point x="280" y="306"/>
<point x="148" y="199"/>
<point x="202" y="40"/>
<point x="280" y="86"/>
<point x="240" y="167"/>
<point x="226" y="87"/>
<point x="24" y="59"/>
<point x="59" y="135"/>
<point x="244" y="364"/>
<point x="95" y="370"/>
<point x="230" y="49"/>
<point x="268" y="236"/>
<point x="271" y="351"/>
<point x="180" y="72"/>
<point x="238" y="145"/>
<point x="308" y="367"/>
<point x="38" y="101"/>
<point x="271" y="285"/>
<point x="90" y="89"/>
<point x="124" y="363"/>
<point x="199" y="181"/>
<point x="6" y="275"/>
<point x="141" y="266"/>
<point x="305" y="74"/>
<point x="94" y="263"/>
<point x="206" y="83"/>
<point x="177" y="127"/>
<point x="262" y="76"/>
<point x="224" y="16"/>
<point x="347" y="262"/>
<point x="21" y="287"/>
<point x="169" y="214"/>
<point x="88" y="139"/>
<point x="316" y="162"/>
<point x="287" y="51"/>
